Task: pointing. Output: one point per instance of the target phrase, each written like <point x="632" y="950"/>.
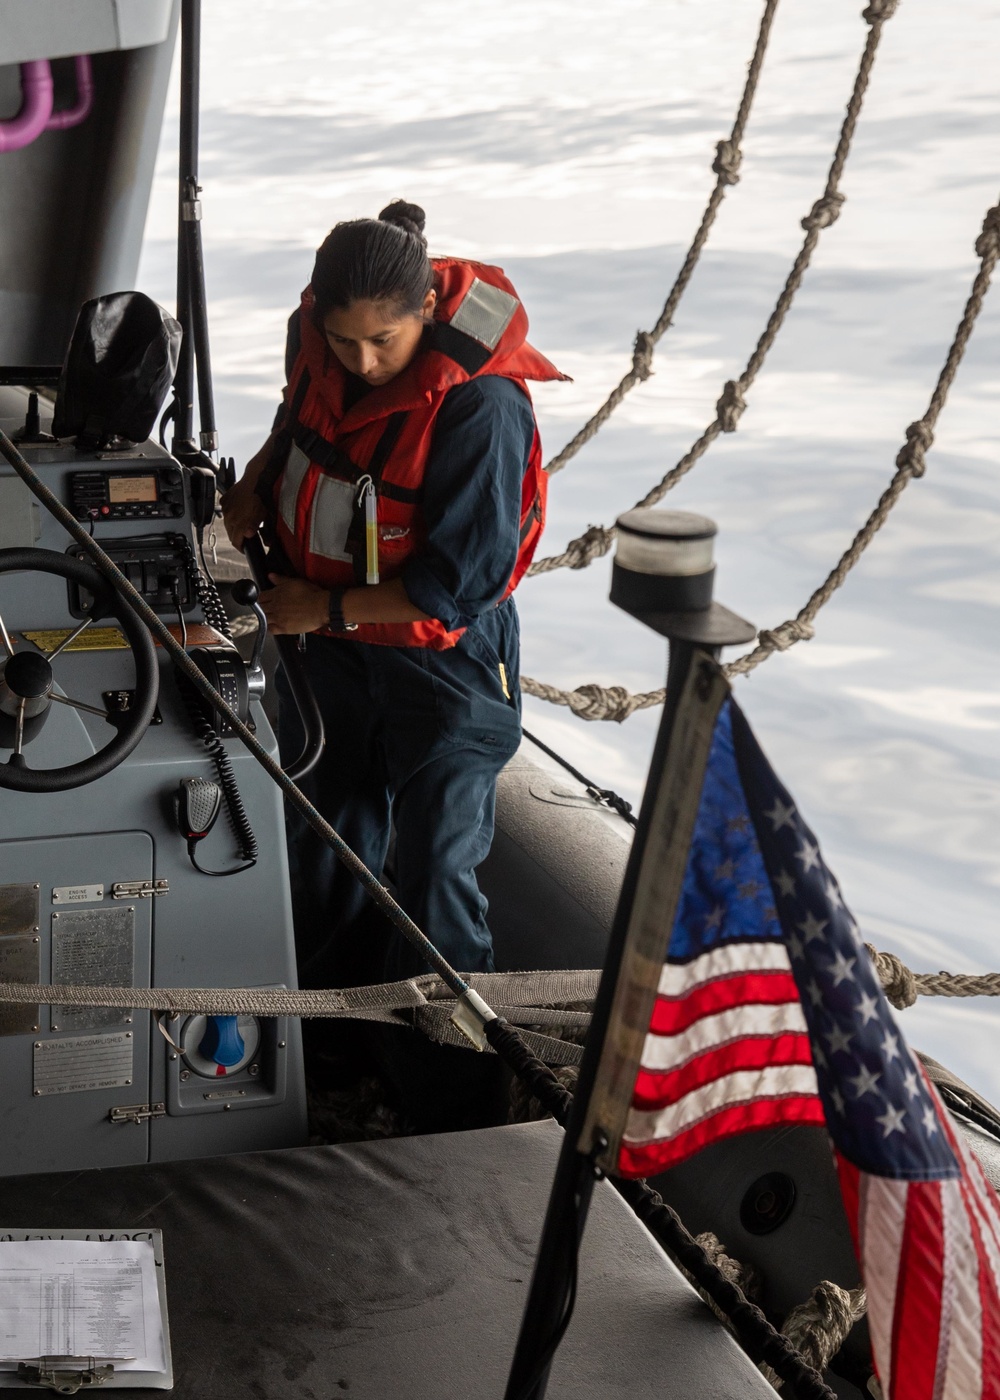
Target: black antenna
<point x="192" y="309"/>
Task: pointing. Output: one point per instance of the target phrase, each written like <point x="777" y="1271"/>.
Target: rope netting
<point x="728" y="158"/>
<point x="593" y="701"/>
<point x="597" y="541"/>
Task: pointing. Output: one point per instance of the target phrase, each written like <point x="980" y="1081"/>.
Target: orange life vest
<point x="326" y="454"/>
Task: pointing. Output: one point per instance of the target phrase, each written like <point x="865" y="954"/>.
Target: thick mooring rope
<point x="820" y="1326"/>
<point x="616" y="703"/>
<point x="728" y="158"/>
<point x="597" y="541"/>
<point x="902" y="987"/>
<point x="817" y="1328"/>
<point x="594" y="701"/>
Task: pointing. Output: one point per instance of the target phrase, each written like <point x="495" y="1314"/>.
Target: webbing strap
<point x="528" y="999"/>
<point x="268" y="478"/>
<point x="356" y="535"/>
<point x="533" y="517"/>
<point x="331" y="458"/>
<point x="467" y="353"/>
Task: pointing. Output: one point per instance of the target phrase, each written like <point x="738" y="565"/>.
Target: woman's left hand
<point x="294" y="605"/>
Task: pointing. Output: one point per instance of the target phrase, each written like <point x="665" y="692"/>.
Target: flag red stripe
<point x="850" y="1180"/>
<point x="648" y="1158"/>
<point x="654" y="1091"/>
<point x="989" y="1302"/>
<point x="674" y="1014"/>
<point x="917" y="1324"/>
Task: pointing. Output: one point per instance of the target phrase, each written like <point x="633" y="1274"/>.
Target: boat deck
<point x="393" y="1268"/>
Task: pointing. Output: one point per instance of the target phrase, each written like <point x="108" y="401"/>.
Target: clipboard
<point x="91" y="1372"/>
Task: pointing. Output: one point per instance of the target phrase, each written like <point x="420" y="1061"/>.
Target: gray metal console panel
<point x="204" y="933"/>
<point x="385" y="1270"/>
<point x="32" y="29"/>
<point x="75" y="201"/>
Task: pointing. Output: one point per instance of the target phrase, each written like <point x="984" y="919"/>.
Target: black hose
<point x="608" y="796"/>
<point x="759" y="1339"/>
<point x="553" y="1096"/>
<point x="310" y="715"/>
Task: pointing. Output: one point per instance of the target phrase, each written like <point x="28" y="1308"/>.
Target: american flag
<point x="768" y="1011"/>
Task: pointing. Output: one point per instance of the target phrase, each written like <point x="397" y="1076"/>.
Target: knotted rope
<point x="593" y="544"/>
<point x="910" y="464"/>
<point x="816" y="1328"/>
<point x="726" y="166"/>
<point x="902" y="986"/>
<point x="733" y="400"/>
<point x="594" y="701"/>
<point x="819" y="1327"/>
<point x="614" y="702"/>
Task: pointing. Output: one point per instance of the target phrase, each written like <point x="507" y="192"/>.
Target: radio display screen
<point x="124" y="490"/>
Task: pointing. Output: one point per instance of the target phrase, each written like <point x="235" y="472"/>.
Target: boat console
<point x="104" y="761"/>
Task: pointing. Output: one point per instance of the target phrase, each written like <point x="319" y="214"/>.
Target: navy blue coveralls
<point x="419" y="733"/>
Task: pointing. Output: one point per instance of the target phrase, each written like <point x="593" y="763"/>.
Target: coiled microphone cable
<point x="239" y="821"/>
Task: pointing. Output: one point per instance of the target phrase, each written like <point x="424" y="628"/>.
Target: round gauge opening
<point x="768" y="1203"/>
<point x="199" y="1052"/>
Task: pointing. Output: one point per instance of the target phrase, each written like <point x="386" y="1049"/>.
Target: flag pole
<point x="663" y="576"/>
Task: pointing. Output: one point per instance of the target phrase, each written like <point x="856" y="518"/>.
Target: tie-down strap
<point x="534" y="1001"/>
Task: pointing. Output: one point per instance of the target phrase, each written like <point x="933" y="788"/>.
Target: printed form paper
<point x="80" y="1298"/>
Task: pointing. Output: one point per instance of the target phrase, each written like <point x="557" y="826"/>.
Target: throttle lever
<point x="246" y="594"/>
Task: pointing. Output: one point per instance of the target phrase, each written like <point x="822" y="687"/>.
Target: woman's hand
<point x="242" y="512"/>
<point x="294" y="605"/>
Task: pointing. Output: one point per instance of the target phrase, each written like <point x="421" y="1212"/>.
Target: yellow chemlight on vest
<point x="367" y="494"/>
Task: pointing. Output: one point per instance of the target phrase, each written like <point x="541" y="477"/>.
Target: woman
<point x="403" y="492"/>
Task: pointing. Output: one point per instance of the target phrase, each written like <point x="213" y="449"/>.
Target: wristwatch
<point x="335" y="613"/>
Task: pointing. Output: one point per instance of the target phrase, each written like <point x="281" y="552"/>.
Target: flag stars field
<point x="785" y="884"/>
<point x="812" y="927"/>
<point x="780" y="815"/>
<point x="868" y="1008"/>
<point x="808" y="854"/>
<point x="891" y="1120"/>
<point x="840" y="968"/>
<point x="838" y="1040"/>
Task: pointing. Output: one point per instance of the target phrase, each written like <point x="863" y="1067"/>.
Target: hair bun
<point x="409" y="217"/>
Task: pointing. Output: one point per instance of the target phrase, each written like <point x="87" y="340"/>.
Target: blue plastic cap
<point x="222" y="1041"/>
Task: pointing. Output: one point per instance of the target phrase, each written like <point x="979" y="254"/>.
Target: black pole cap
<point x="663" y="574"/>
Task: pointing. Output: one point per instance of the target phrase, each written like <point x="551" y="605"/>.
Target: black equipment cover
<point x="119" y="366"/>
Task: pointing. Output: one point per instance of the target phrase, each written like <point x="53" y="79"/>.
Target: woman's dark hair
<point x="383" y="259"/>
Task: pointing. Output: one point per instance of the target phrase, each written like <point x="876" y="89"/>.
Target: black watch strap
<point x="335" y="612"/>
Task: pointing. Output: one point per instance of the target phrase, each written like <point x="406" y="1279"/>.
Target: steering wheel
<point x="26" y="681"/>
